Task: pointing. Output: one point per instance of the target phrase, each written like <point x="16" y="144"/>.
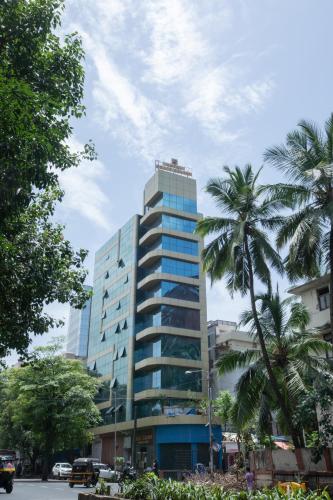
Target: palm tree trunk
<point x="331" y="279"/>
<point x="284" y="407"/>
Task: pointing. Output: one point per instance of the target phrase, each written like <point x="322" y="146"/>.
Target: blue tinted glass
<point x="179" y="267"/>
<point x="177" y="317"/>
<point x="176" y="202"/>
<point x="170" y="289"/>
<point x="178" y="224"/>
<point x="179" y="245"/>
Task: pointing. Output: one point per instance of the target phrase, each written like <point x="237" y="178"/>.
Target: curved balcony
<point x="154" y="233"/>
<point x="154" y="362"/>
<point x="153" y="331"/>
<point x="154" y="255"/>
<point x="155" y="212"/>
<point x="167" y="393"/>
<point x="153" y="278"/>
<point x="151" y="303"/>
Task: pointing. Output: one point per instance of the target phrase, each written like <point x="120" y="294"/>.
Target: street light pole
<point x="211" y="457"/>
<point x="210" y="398"/>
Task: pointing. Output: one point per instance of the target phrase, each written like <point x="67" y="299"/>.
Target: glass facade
<point x="78" y="329"/>
<point x="174" y="201"/>
<point x="169" y="346"/>
<point x="178" y="224"/>
<point x="177" y="317"/>
<point x="112" y="314"/>
<point x="173" y="266"/>
<point x="172" y="290"/>
<point x="171" y="222"/>
<point x="168" y="377"/>
<point x="113" y="346"/>
<point x="173" y="244"/>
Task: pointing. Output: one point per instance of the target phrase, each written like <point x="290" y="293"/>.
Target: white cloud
<point x="218" y="96"/>
<point x="176" y="45"/>
<point x="83" y="193"/>
<point x="162" y="68"/>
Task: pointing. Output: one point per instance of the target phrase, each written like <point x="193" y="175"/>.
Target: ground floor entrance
<point x="177" y="447"/>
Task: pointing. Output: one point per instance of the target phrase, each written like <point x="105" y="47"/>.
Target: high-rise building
<point x="78" y="329"/>
<point x="148" y="331"/>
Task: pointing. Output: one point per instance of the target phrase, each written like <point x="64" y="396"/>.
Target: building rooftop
<point x="173" y="167"/>
<point x="309" y="285"/>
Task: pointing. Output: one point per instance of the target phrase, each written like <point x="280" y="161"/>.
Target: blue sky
<point x="210" y="82"/>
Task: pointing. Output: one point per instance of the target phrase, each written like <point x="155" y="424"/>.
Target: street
<point x="48" y="491"/>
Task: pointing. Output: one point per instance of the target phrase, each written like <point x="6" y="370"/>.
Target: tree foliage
<point x="37" y="266"/>
<point x="307" y="159"/>
<point x="41" y="91"/>
<point x="47" y="405"/>
<point x="222" y="407"/>
<point x="241" y="250"/>
<point x="297" y="356"/>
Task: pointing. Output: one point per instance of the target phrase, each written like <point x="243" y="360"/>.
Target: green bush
<point x="149" y="487"/>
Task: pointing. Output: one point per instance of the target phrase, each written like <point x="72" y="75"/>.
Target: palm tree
<point x="241" y="251"/>
<point x="307" y="158"/>
<point x="297" y="356"/>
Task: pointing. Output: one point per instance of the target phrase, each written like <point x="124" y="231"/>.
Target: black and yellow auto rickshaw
<point x="83" y="472"/>
<point x="7" y="471"/>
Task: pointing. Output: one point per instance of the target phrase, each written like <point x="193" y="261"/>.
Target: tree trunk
<point x="45" y="468"/>
<point x="284" y="407"/>
<point x="331" y="279"/>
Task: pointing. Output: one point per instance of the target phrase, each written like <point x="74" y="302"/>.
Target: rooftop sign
<point x="173" y="167"/>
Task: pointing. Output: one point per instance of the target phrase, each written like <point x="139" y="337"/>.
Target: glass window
<point x="323" y="298"/>
<point x="174" y="201"/>
<point x="180" y="245"/>
<point x="180" y="317"/>
<point x="178" y="224"/>
<point x="177" y="317"/>
<point x="169" y="346"/>
<point x="179" y="267"/>
<point x="168" y="377"/>
<point x="173" y="290"/>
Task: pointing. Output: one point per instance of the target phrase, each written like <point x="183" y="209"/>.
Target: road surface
<point x="45" y="491"/>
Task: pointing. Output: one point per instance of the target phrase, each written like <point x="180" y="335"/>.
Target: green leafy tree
<point x="297" y="357"/>
<point x="241" y="251"/>
<point x="37" y="266"/>
<point x="41" y="91"/>
<point x="222" y="407"/>
<point x="52" y="400"/>
<point x="307" y="159"/>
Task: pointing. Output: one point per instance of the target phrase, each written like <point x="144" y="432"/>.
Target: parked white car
<point x="61" y="469"/>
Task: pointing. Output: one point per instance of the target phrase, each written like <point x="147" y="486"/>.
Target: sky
<point x="209" y="82"/>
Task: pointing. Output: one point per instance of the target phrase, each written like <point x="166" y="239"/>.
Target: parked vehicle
<point x="7" y="471"/>
<point x="99" y="467"/>
<point x="61" y="469"/>
<point x="83" y="472"/>
<point x="128" y="474"/>
<point x="108" y="473"/>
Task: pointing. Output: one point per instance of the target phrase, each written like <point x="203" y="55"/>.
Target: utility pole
<point x="134" y="437"/>
<point x="115" y="429"/>
<point x="211" y="455"/>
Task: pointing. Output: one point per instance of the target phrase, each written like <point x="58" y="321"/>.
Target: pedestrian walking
<point x="249" y="478"/>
